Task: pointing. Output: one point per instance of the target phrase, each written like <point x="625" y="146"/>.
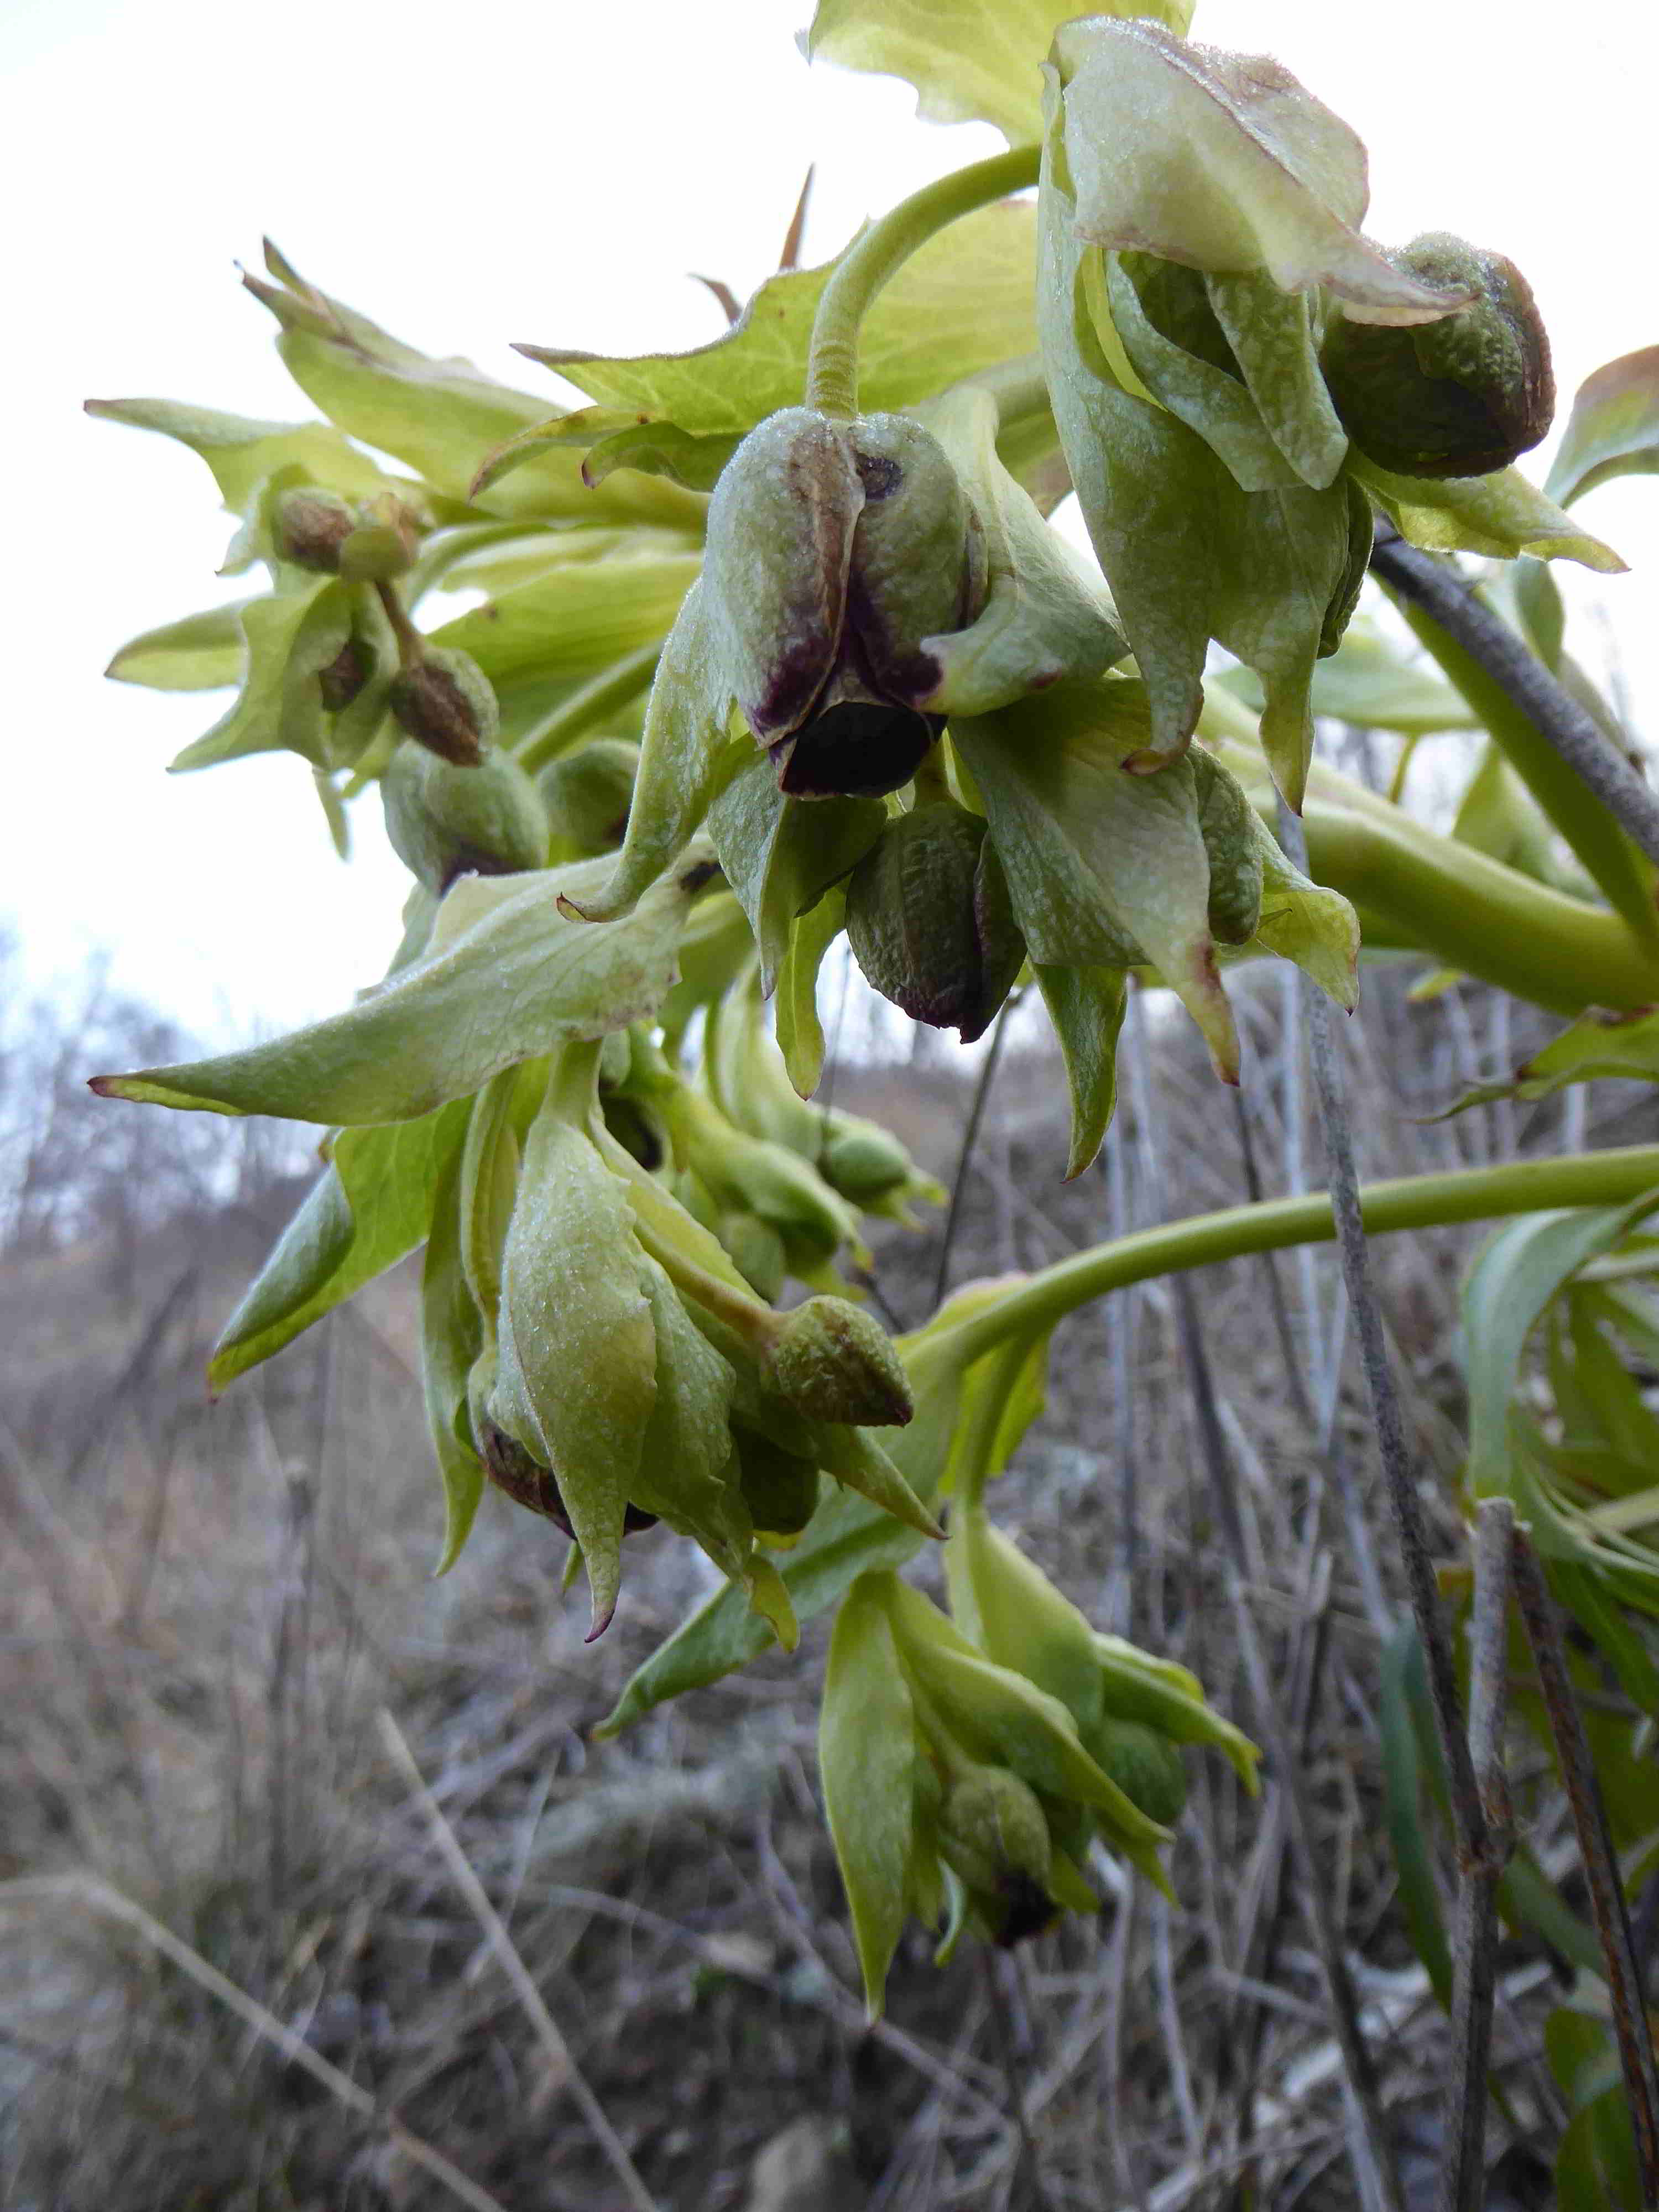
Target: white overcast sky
<point x="474" y="173"/>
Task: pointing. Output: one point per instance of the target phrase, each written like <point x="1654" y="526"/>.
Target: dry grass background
<point x="205" y="1607"/>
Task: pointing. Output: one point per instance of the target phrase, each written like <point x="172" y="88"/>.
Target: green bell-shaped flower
<point x="833" y="549"/>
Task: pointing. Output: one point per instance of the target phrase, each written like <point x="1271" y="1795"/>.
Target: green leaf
<point x="290" y="637"/>
<point x="1103" y="867"/>
<point x="198" y="652"/>
<point x="1613" y="428"/>
<point x="573" y="621"/>
<point x="1501" y="516"/>
<point x="1403" y="1787"/>
<point x="1365" y="681"/>
<point x="781" y="854"/>
<point x="1085" y="1006"/>
<point x="578" y="1376"/>
<point x="867" y="1761"/>
<point x="1618" y="1045"/>
<point x="1516" y="1274"/>
<point x="519" y="980"/>
<point x="961" y="304"/>
<point x="371" y="1204"/>
<point x="969" y="60"/>
<point x="1224" y="162"/>
<point x="441" y="417"/>
<point x="242" y="452"/>
<point x="452" y="1337"/>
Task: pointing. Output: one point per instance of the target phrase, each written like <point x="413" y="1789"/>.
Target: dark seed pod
<point x="1457" y="397"/>
<point x="345" y="675"/>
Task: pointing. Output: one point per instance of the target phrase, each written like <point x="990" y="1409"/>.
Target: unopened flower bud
<point x="929" y="921"/>
<point x="385" y="543"/>
<point x="1457" y="397"/>
<point x="447" y="703"/>
<point x="1147" y="1767"/>
<point x="831" y="1361"/>
<point x="588" y="791"/>
<point x="311" y="525"/>
<point x="863" y="1162"/>
<point x="445" y="821"/>
<point x="780" y="1489"/>
<point x="992" y="1832"/>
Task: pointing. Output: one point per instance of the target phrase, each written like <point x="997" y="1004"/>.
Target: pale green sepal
<point x="197" y="652"/>
<point x="1272" y="339"/>
<point x="522" y="979"/>
<point x="1224" y="162"/>
<point x="1007" y="1606"/>
<point x="1619" y="1046"/>
<point x="867" y="1760"/>
<point x="686" y="1456"/>
<point x="571" y="622"/>
<point x="686" y="761"/>
<point x="1085" y="1006"/>
<point x="781" y="854"/>
<point x="1144" y="481"/>
<point x="577" y="1381"/>
<point x="1045" y="618"/>
<point x="1367" y="680"/>
<point x="1103" y="866"/>
<point x="795" y="1002"/>
<point x="1306" y="923"/>
<point x="1206" y="397"/>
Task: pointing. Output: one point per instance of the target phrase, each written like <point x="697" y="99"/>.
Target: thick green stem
<point x="832" y="376"/>
<point x="1466" y="910"/>
<point x="985" y="1420"/>
<point x="1608" y="1178"/>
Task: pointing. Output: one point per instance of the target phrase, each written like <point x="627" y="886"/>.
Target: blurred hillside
<point x="206" y="1607"/>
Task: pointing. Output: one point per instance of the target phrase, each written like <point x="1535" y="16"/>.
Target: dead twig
<point x="1475" y="1934"/>
<point x="565" y="2069"/>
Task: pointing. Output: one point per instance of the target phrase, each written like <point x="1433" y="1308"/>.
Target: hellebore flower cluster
<point x="969" y="1765"/>
<point x="884" y="700"/>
